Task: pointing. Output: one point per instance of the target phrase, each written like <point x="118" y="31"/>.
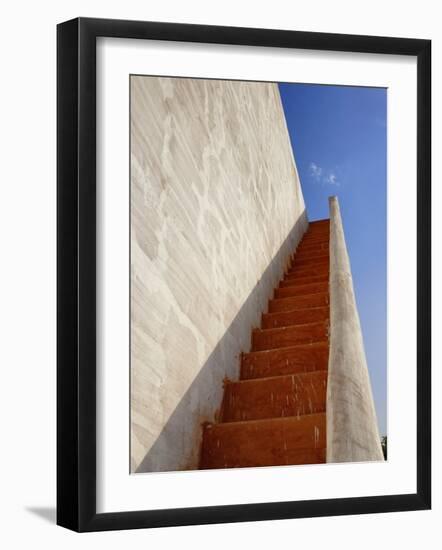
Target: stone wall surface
<point x="216" y="210"/>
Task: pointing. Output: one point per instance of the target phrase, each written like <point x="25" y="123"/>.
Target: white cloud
<point x="315" y="171"/>
<point x="327" y="177"/>
<point x="331" y="179"/>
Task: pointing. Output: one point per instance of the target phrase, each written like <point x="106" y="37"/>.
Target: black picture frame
<point x="77" y="288"/>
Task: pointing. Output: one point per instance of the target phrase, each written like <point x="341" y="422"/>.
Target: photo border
<point x="77" y="287"/>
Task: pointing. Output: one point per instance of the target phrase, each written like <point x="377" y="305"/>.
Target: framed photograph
<point x="243" y="274"/>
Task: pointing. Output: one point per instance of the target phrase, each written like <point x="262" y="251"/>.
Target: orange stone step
<point x="296" y="267"/>
<point x="316" y="236"/>
<point x="318" y="226"/>
<point x="316" y="229"/>
<point x="295" y="317"/>
<point x="270" y="442"/>
<point x="292" y="360"/>
<point x="312" y="235"/>
<point x="310" y="247"/>
<point x="306" y="252"/>
<point x="309" y="260"/>
<point x="312" y="271"/>
<point x="319" y="299"/>
<point x="306" y="246"/>
<point x="289" y="336"/>
<point x="295" y="281"/>
<point x="278" y="396"/>
<point x="301" y="290"/>
<point x="309" y="251"/>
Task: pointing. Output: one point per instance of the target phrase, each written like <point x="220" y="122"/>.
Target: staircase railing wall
<point x="352" y="430"/>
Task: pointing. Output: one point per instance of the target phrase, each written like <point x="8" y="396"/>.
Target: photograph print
<point x="258" y="284"/>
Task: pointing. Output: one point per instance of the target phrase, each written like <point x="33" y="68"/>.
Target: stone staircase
<point x="275" y="414"/>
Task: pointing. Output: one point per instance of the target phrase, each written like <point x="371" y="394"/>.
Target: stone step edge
<point x="267" y="378"/>
<point x="297" y="296"/>
<point x="280" y="329"/>
<point x="285" y="348"/>
<point x="209" y="425"/>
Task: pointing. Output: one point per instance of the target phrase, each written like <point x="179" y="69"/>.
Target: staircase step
<point x="313" y="228"/>
<point x="301" y="290"/>
<point x="317" y="256"/>
<point x="325" y="230"/>
<point x="312" y="271"/>
<point x="311" y="247"/>
<point x="317" y="231"/>
<point x="278" y="396"/>
<point x="319" y="299"/>
<point x="292" y="360"/>
<point x="316" y="237"/>
<point x="270" y="442"/>
<point x="297" y="281"/>
<point x="322" y="235"/>
<point x="295" y="317"/>
<point x="323" y="264"/>
<point x="310" y="252"/>
<point x="309" y="260"/>
<point x="272" y="338"/>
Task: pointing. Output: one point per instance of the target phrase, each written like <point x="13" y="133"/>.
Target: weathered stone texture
<point x="352" y="430"/>
<point x="216" y="210"/>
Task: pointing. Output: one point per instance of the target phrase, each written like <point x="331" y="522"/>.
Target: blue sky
<point x="339" y="141"/>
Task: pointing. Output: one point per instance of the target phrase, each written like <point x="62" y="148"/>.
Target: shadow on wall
<point x="163" y="451"/>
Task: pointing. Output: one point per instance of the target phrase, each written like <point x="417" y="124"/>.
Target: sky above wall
<point x="339" y="140"/>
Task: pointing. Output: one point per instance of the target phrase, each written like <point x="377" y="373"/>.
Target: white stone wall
<point x="216" y="209"/>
